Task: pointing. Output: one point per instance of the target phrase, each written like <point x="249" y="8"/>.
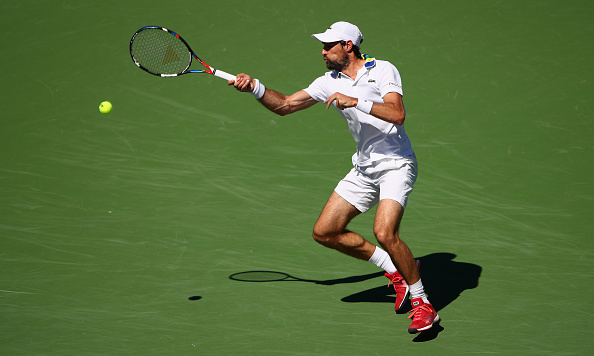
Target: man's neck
<point x="353" y="68"/>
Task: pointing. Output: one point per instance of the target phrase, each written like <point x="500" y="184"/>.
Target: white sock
<point x="418" y="291"/>
<point x="381" y="259"/>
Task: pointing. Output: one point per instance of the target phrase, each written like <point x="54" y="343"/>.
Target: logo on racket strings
<point x="170" y="56"/>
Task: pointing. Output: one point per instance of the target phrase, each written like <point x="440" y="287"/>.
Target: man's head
<point x="341" y="42"/>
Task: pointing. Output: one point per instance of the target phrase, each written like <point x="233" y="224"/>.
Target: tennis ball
<point x="105" y="107"/>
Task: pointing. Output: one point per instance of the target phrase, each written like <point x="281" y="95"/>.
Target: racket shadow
<point x="276" y="276"/>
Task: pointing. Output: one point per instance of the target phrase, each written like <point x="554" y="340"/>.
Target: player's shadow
<point x="443" y="279"/>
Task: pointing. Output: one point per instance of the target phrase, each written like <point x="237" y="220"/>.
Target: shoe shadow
<point x="430" y="334"/>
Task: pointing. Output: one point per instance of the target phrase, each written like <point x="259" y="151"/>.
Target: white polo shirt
<point x="378" y="141"/>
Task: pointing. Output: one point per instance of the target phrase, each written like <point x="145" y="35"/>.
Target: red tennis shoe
<point x="400" y="287"/>
<point x="423" y="316"/>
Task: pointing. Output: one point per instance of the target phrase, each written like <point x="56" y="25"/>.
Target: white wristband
<point x="364" y="106"/>
<point x="259" y="89"/>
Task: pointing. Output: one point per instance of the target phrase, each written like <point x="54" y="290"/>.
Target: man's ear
<point x="348" y="46"/>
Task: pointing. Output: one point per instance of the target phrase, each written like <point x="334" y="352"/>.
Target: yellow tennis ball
<point x="105" y="107"/>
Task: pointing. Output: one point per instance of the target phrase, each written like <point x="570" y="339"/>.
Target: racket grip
<point x="223" y="75"/>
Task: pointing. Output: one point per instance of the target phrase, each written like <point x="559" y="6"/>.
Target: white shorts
<point x="365" y="190"/>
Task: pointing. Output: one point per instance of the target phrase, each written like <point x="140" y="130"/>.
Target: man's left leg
<point x="386" y="225"/>
<point x="387" y="222"/>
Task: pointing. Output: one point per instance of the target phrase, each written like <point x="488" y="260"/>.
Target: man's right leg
<point x="330" y="229"/>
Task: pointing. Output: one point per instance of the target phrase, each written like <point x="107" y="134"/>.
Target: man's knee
<point x="321" y="235"/>
<point x="385" y="237"/>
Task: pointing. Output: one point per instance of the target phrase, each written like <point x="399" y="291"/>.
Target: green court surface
<point x="120" y="233"/>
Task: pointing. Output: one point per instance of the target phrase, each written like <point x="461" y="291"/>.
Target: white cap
<point x="340" y="31"/>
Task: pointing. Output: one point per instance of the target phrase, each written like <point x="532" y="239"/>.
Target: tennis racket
<point x="163" y="52"/>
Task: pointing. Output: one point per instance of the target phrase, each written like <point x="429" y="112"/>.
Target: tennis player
<point x="367" y="93"/>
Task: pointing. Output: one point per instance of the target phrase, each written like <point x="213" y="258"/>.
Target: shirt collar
<point x="369" y="63"/>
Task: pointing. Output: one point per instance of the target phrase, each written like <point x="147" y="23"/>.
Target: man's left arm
<point x="391" y="110"/>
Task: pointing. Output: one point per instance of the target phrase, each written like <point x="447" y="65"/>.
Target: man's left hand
<point x="342" y="101"/>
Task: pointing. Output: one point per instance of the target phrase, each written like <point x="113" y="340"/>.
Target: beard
<point x="337" y="65"/>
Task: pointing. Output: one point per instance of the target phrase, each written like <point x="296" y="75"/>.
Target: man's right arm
<point x="273" y="100"/>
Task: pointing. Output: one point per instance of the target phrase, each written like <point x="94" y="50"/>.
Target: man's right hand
<point x="243" y="83"/>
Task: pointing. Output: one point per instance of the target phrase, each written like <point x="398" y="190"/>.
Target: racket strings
<point x="160" y="52"/>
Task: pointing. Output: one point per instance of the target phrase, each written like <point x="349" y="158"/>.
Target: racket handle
<point x="223" y="75"/>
